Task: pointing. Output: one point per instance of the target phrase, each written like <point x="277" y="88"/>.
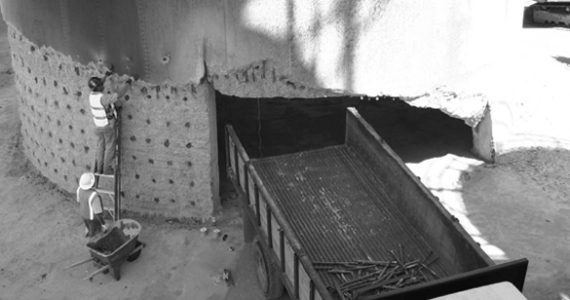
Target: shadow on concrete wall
<point x="275" y="126"/>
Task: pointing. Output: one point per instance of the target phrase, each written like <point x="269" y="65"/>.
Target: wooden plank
<point x="289" y="262"/>
<point x="304" y="285"/>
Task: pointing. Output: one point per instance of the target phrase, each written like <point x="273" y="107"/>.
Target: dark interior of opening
<point x="275" y="126"/>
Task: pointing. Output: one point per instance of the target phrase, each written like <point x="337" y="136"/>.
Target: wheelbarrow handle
<point x="79" y="263"/>
<point x="102" y="269"/>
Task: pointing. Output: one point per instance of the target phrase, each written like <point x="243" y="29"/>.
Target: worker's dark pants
<point x="93" y="227"/>
<point x="106" y="143"/>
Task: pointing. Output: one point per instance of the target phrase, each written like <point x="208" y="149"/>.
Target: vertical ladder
<point x="116" y="192"/>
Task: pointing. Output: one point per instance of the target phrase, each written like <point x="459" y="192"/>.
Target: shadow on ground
<point x="521" y="205"/>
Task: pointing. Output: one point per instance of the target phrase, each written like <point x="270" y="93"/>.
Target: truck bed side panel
<point x="414" y="201"/>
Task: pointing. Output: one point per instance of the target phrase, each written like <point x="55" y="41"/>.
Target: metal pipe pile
<point x="368" y="279"/>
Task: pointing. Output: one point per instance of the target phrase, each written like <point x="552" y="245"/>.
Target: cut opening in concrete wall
<point x="274" y="126"/>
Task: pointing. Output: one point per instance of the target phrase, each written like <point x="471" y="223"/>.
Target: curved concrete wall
<point x="169" y="161"/>
<point x="248" y="48"/>
<point x="373" y="47"/>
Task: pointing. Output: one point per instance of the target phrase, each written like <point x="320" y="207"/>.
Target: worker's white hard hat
<point x="87" y="181"/>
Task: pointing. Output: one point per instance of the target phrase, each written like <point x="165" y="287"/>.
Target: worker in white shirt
<point x="90" y="205"/>
<point x="104" y="97"/>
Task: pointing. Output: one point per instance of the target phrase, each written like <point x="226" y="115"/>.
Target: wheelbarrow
<point x="119" y="244"/>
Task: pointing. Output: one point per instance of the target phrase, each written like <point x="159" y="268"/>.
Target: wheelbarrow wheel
<point x="133" y="256"/>
<point x="267" y="273"/>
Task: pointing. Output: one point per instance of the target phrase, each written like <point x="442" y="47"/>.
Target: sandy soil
<point x="515" y="208"/>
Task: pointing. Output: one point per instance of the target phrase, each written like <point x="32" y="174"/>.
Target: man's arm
<point x="96" y="205"/>
<point x="120" y="86"/>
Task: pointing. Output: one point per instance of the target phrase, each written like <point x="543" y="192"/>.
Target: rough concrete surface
<point x="363" y="47"/>
<point x="169" y="151"/>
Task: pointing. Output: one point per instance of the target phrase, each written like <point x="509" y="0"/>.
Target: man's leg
<point x="99" y="150"/>
<point x="110" y="145"/>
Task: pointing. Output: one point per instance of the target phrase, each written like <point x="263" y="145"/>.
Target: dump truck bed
<point x="339" y="209"/>
<point x="350" y="203"/>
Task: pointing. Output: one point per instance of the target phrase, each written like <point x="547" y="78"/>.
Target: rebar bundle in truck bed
<point x="366" y="279"/>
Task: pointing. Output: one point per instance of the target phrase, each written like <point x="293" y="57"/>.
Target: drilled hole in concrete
<point x="55" y="170"/>
<point x="50" y="134"/>
<point x="170" y="181"/>
<point x="147" y="140"/>
<point x="156" y="199"/>
<point x="55" y="83"/>
<point x="151" y="161"/>
<point x="60" y="141"/>
<point x="192" y="183"/>
<point x="70" y="127"/>
<point x="137" y="176"/>
<point x="127" y="97"/>
<point x="167" y="124"/>
<point x="82" y="111"/>
<point x="82" y="131"/>
<point x="122" y="194"/>
<point x="169" y="163"/>
<point x="68" y="107"/>
<point x="137" y="196"/>
<point x="166" y="143"/>
<point x="45" y="58"/>
<point x="185" y="98"/>
<point x="193" y="203"/>
<point x="153" y="180"/>
<point x="130" y="117"/>
<point x="133" y="138"/>
<point x="187" y="125"/>
<point x="148" y="96"/>
<point x="134" y="157"/>
<point x="148" y="121"/>
<point x="86" y="148"/>
<point x="172" y="201"/>
<point x="189" y="145"/>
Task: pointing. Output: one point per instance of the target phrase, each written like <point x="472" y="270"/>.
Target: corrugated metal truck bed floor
<point x="338" y="207"/>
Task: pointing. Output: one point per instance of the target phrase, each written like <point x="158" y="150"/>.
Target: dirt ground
<point x="515" y="208"/>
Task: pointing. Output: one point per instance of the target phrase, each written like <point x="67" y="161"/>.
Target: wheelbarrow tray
<point x="128" y="250"/>
<point x="120" y="254"/>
